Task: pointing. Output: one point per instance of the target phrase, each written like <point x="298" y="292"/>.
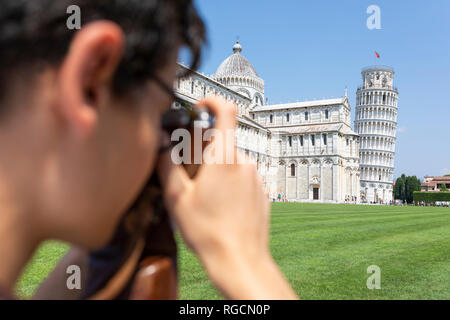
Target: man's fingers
<point x="174" y="178"/>
<point x="224" y="112"/>
<point x="225" y="124"/>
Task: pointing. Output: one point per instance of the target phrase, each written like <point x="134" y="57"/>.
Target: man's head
<point x="79" y="112"/>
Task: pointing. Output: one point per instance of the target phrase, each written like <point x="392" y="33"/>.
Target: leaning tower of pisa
<point x="376" y="123"/>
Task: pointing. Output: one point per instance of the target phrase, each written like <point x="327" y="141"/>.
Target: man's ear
<point x="87" y="72"/>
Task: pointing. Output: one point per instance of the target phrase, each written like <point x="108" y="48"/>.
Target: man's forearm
<point x="54" y="287"/>
<point x="255" y="280"/>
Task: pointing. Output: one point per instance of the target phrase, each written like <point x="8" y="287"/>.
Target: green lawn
<point x="324" y="251"/>
<point x="45" y="259"/>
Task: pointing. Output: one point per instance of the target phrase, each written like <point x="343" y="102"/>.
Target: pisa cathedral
<point x="307" y="151"/>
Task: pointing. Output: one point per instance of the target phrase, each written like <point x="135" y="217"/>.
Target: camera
<point x="185" y="116"/>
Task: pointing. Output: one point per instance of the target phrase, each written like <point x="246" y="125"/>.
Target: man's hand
<point x="223" y="216"/>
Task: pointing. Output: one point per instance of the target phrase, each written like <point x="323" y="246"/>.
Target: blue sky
<point x="314" y="49"/>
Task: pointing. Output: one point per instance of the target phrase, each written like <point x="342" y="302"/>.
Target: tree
<point x="396" y="189"/>
<point x="411" y="184"/>
<point x="444" y="188"/>
<point x="399" y="189"/>
<point x="405" y="187"/>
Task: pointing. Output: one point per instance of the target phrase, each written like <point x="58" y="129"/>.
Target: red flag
<point x="377" y="55"/>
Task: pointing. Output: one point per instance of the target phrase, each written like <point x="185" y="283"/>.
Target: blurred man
<point x="80" y="134"/>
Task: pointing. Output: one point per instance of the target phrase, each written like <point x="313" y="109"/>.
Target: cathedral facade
<point x="305" y="151"/>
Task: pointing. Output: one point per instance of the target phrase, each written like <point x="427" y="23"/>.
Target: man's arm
<point x="224" y="216"/>
<point x="54" y="286"/>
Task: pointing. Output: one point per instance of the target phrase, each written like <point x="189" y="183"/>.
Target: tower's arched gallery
<point x="308" y="151"/>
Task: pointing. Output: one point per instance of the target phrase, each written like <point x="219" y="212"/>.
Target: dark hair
<point x="33" y="33"/>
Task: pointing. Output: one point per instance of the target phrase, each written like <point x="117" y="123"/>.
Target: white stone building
<point x="306" y="151"/>
<point x="376" y="123"/>
<point x="314" y="149"/>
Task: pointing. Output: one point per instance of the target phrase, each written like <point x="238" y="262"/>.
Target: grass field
<point x="324" y="251"/>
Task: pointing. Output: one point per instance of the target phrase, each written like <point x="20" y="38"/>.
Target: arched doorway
<point x="315" y="192"/>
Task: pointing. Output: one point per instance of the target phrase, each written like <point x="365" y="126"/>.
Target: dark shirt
<point x="104" y="263"/>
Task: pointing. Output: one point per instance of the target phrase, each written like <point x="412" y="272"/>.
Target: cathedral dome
<point x="236" y="65"/>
